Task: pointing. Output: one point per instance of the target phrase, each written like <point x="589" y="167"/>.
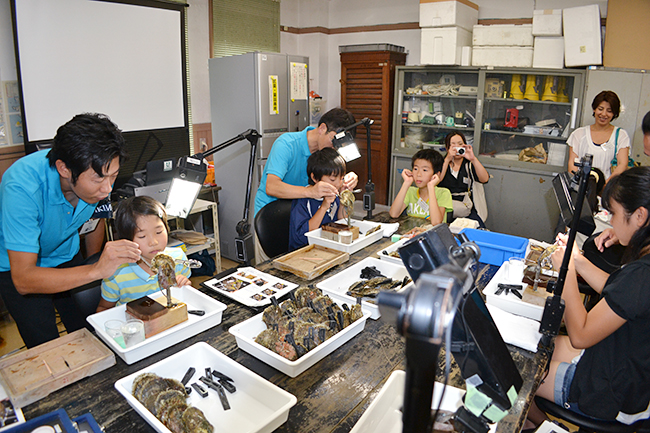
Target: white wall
<point x="198" y="17"/>
<point x="7" y="56"/>
<point x="325" y="66"/>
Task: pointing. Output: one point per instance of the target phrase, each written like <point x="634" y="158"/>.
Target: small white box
<point x="547" y="22"/>
<point x="519" y="57"/>
<point x="439" y="13"/>
<point x="548" y="52"/>
<point x="246" y="331"/>
<point x="582" y="36"/>
<point x="443" y="45"/>
<point x="254" y="394"/>
<point x="336" y="286"/>
<point x="503" y="35"/>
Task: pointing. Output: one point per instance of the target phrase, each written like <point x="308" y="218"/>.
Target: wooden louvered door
<point x="367" y="84"/>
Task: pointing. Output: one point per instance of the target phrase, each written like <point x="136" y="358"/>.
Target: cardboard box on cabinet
<point x="548" y="52"/>
<point x="547" y="22"/>
<point x="503" y="35"/>
<point x="582" y="36"/>
<point x="515" y="57"/>
<point x="443" y="45"/>
<point x="441" y="13"/>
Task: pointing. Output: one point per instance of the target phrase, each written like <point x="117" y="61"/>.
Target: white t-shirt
<point x="582" y="144"/>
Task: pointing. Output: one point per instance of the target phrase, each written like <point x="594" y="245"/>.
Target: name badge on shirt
<point x="466" y="180"/>
<point x="89" y="226"/>
<point x="423" y="205"/>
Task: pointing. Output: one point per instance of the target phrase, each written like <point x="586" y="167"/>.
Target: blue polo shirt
<point x="35" y="217"/>
<point x="288" y="161"/>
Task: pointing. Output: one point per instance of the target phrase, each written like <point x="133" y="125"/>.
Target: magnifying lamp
<point x="185" y="187"/>
<point x="345" y="144"/>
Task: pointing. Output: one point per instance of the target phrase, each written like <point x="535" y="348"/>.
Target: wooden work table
<point x="332" y="394"/>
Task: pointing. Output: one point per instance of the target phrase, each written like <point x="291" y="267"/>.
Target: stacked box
<point x="548" y="52"/>
<point x="443" y="45"/>
<point x="445" y="13"/>
<point x="582" y="36"/>
<point x="446" y="30"/>
<point x="503" y="46"/>
<point x="547" y="22"/>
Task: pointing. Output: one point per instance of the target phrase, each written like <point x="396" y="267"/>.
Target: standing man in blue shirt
<point x="45" y="198"/>
<point x="285" y="171"/>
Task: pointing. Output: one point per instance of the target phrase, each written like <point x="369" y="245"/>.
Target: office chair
<point x="272" y="227"/>
<point x="589" y="425"/>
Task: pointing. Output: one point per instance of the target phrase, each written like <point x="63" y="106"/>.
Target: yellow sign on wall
<point x="274" y="107"/>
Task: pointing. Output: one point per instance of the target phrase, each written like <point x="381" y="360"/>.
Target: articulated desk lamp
<point x="445" y="306"/>
<point x="186" y="185"/>
<point x="344" y="143"/>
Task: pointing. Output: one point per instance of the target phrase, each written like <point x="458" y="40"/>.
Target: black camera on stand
<point x="445" y="307"/>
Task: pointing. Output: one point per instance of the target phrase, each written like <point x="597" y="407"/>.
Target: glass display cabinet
<point x="527" y="117"/>
<point x="516" y="119"/>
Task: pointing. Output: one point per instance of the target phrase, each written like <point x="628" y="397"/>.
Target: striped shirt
<point x="131" y="282"/>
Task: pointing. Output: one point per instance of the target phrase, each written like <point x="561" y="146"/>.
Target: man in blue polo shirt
<point x="285" y="171"/>
<point x="45" y="198"/>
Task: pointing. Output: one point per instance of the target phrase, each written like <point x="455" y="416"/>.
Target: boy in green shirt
<point x="425" y="199"/>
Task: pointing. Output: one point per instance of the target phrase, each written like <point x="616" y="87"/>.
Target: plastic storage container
<point x="497" y="248"/>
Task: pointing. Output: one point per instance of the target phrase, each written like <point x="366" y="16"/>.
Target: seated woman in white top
<point x="602" y="139"/>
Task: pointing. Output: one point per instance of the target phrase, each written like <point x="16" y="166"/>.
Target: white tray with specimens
<point x="257" y="405"/>
<point x="362" y="241"/>
<point x="338" y="285"/>
<point x="246" y="332"/>
<point x="194" y="299"/>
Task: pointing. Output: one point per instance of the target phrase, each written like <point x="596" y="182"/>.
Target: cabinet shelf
<point x="445" y="127"/>
<point x="527" y="101"/>
<point x="521" y="134"/>
<point x="472" y="97"/>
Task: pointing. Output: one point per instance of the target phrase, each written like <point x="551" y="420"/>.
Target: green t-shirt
<point x="416" y="207"/>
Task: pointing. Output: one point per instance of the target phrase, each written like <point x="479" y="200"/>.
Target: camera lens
<point x="461" y="151"/>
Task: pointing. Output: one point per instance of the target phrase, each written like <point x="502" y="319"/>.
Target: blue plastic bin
<point x="497" y="248"/>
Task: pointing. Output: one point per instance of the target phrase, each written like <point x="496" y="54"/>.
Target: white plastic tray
<point x="508" y="301"/>
<point x="257" y="287"/>
<point x="362" y="241"/>
<point x="256" y="406"/>
<point x="194" y="299"/>
<point x="390" y="249"/>
<point x="384" y="415"/>
<point x="337" y="285"/>
<point x="246" y="332"/>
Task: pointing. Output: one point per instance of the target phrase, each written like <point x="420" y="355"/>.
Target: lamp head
<point x="185" y="186"/>
<point x="345" y="145"/>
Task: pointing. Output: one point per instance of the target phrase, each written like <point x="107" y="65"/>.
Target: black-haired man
<point x="45" y="198"/>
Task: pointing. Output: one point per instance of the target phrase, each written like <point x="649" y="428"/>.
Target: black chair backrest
<point x="587" y="424"/>
<point x="272" y="227"/>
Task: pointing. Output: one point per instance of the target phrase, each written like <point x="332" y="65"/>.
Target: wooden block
<point x="32" y="374"/>
<point x="310" y="261"/>
<point x="331" y="231"/>
<point x="155" y="314"/>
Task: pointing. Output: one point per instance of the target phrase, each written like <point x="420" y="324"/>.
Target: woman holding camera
<point x="460" y="170"/>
